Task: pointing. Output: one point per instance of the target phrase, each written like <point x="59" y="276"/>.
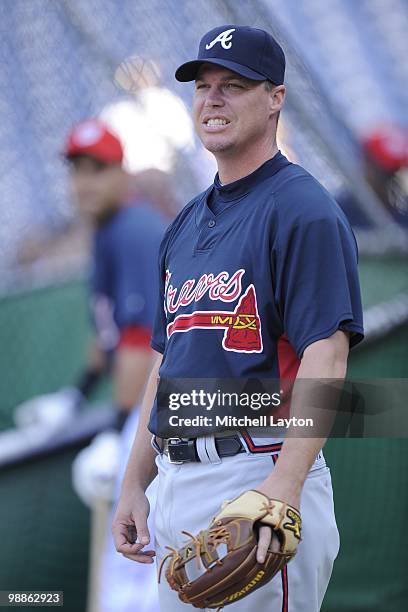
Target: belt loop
<point x="211" y="449"/>
<point x="200" y="448"/>
<point x="155" y="445"/>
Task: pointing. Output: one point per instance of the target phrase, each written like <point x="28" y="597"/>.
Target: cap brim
<point x="188" y="71"/>
<point x="92" y="153"/>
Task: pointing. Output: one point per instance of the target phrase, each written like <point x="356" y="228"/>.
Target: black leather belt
<point x="182" y="450"/>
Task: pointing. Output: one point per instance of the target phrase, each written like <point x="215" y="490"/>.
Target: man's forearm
<point x="298" y="454"/>
<point x="95" y="369"/>
<point x="141" y="467"/>
<point x="131" y="368"/>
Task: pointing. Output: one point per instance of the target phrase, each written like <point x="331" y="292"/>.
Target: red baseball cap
<point x="388" y="147"/>
<point x="93" y="138"/>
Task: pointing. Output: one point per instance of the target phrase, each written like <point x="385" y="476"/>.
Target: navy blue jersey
<point x="124" y="278"/>
<point x="253" y="272"/>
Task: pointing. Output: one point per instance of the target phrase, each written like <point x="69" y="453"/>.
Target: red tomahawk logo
<point x="242" y="326"/>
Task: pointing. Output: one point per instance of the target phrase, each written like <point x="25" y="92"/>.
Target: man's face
<point x="230" y="112"/>
<point x="97" y="187"/>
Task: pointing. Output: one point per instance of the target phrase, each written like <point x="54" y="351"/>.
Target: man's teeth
<point x="212" y="122"/>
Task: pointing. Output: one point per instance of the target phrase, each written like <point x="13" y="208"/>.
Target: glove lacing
<point x="216" y="536"/>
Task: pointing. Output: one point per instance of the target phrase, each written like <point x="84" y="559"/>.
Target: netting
<point x="44" y="531"/>
<point x="43" y="339"/>
<point x="64" y="61"/>
<point x="370" y="483"/>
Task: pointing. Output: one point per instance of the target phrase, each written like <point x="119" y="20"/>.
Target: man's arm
<point x="130" y="521"/>
<point x="95" y="368"/>
<point x="323" y="359"/>
<point x="141" y="467"/>
<point x="131" y="368"/>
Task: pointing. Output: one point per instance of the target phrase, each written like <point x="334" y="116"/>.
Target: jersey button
<point x="211" y="223"/>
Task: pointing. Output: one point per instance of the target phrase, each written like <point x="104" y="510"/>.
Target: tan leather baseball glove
<point x="218" y="566"/>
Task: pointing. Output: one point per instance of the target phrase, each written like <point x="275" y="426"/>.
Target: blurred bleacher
<point x="359" y="50"/>
<point x="347" y="72"/>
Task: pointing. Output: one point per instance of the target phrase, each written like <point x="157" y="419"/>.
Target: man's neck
<point x="232" y="169"/>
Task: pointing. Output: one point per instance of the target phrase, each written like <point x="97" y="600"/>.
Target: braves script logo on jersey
<point x="225" y="38"/>
<point x="242" y="325"/>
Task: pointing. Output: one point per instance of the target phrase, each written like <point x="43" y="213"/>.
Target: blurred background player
<point x="126" y="235"/>
<point x="384" y="152"/>
<point x="127" y="231"/>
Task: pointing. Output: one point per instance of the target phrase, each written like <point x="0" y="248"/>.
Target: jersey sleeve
<point x="159" y="335"/>
<point x="158" y="341"/>
<point x="135" y="278"/>
<point x="317" y="288"/>
<point x="100" y="302"/>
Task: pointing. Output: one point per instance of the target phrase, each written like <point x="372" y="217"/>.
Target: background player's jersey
<point x="124" y="277"/>
<point x="253" y="272"/>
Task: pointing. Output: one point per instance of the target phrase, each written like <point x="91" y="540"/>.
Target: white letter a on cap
<point x="224" y="38"/>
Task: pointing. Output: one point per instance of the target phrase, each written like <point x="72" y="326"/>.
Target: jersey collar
<point x="242" y="186"/>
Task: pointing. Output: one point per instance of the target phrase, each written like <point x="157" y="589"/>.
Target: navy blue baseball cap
<point x="250" y="52"/>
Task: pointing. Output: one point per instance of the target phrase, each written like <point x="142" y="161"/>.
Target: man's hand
<point x="285" y="492"/>
<point x="234" y="530"/>
<point x="264" y="542"/>
<point x="129" y="527"/>
<point x="325" y="358"/>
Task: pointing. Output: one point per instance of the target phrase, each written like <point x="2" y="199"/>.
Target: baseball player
<point x="126" y="232"/>
<point x="265" y="240"/>
<point x="385" y="168"/>
<point x="124" y="290"/>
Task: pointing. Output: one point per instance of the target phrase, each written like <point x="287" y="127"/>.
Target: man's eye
<point x="201" y="86"/>
<point x="234" y="86"/>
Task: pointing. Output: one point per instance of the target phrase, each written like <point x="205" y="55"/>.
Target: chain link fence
<point x="62" y="61"/>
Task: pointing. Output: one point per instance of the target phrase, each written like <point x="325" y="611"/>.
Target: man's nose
<point x="214" y="97"/>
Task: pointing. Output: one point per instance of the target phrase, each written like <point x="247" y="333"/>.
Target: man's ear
<point x="277" y="98"/>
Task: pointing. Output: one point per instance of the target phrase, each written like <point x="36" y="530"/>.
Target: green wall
<point x="44" y="528"/>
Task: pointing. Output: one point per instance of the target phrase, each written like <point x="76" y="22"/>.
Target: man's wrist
<point x="295" y="479"/>
<point x="135" y="483"/>
<point x="87" y="382"/>
<point x="120" y="419"/>
<point x="288" y="491"/>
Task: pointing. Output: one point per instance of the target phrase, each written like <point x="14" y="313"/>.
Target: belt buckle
<point x="173" y="442"/>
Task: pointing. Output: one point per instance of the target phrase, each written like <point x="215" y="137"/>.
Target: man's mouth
<point x="215" y="122"/>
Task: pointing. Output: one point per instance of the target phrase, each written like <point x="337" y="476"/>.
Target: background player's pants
<point x="127" y="586"/>
<point x="189" y="495"/>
